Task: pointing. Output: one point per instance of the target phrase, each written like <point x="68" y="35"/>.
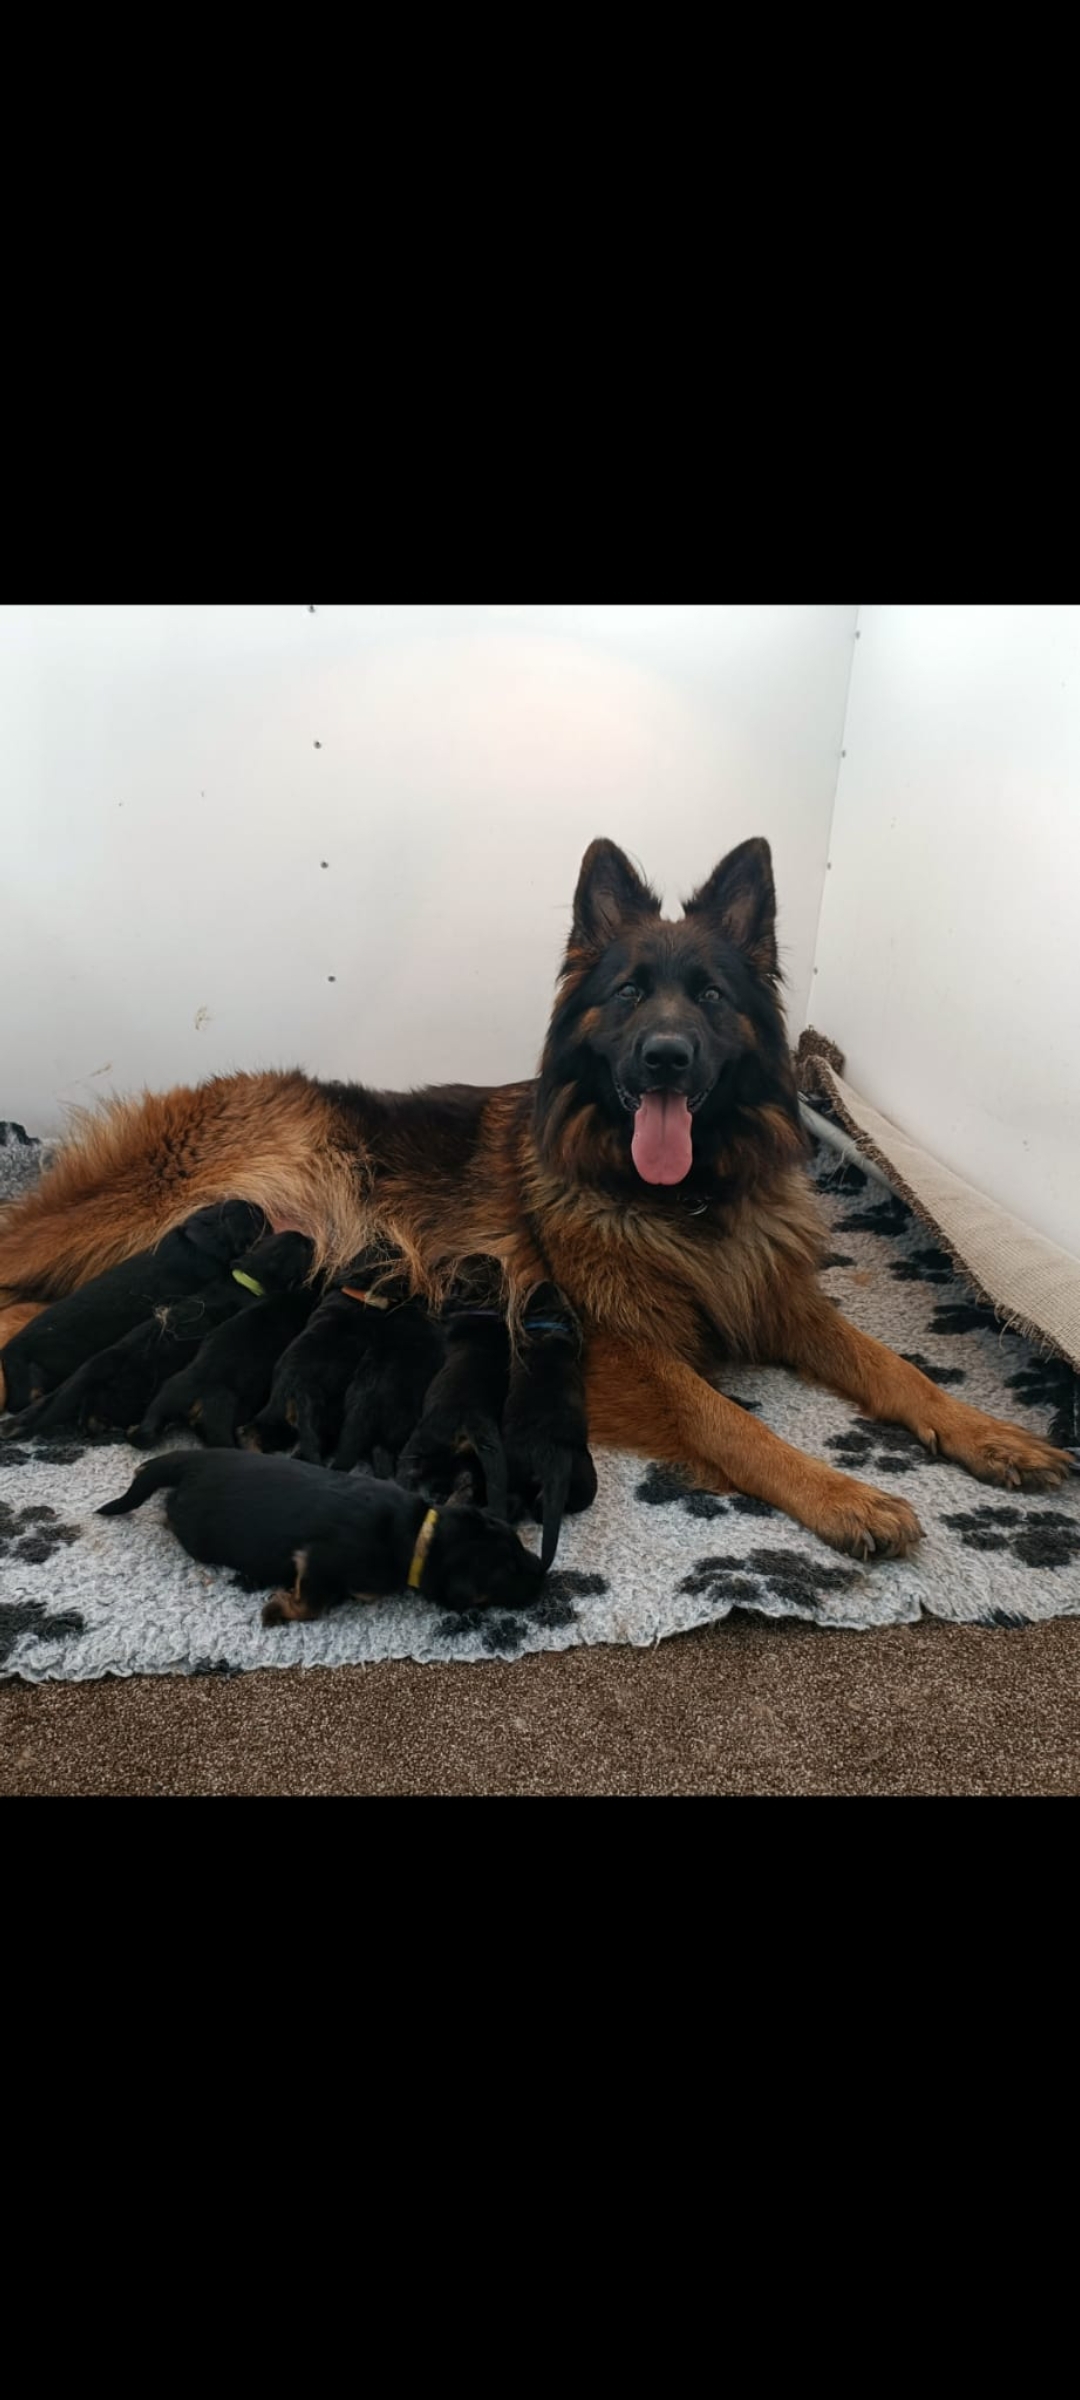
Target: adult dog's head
<point x="667" y="1061"/>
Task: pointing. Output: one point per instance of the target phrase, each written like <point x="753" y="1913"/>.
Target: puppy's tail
<point x="171" y="1467"/>
<point x="554" y="1493"/>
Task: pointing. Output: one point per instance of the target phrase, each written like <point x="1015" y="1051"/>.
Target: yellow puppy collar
<point x="248" y="1282"/>
<point x="423" y="1545"/>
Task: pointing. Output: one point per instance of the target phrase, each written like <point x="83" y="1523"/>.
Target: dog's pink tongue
<point x="662" y="1148"/>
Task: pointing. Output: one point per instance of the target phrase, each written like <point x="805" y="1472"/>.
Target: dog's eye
<point x="710" y="992"/>
<point x="628" y="991"/>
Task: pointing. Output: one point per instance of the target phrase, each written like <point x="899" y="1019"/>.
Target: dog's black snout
<point x="667" y="1054"/>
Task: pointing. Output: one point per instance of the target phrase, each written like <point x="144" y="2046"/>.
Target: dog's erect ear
<point x="609" y="895"/>
<point x="739" y="900"/>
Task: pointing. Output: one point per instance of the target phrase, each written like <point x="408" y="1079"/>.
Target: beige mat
<point x="1033" y="1285"/>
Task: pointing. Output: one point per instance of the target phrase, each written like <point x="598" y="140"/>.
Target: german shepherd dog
<point x="116" y="1388"/>
<point x="547" y="1402"/>
<point x="653" y="1172"/>
<point x="75" y="1330"/>
<point x="342" y="1537"/>
<point x="404" y="1353"/>
<point x="231" y="1372"/>
<point x="459" y="1429"/>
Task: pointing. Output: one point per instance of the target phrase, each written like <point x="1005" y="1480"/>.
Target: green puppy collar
<point x="248" y="1282"/>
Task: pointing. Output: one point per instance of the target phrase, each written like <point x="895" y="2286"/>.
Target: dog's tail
<point x="171" y="1467"/>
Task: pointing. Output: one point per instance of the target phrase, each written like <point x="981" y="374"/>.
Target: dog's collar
<point x="349" y="1291"/>
<point x="248" y="1282"/>
<point x="423" y="1545"/>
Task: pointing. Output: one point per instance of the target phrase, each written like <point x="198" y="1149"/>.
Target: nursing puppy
<point x="112" y="1391"/>
<point x="405" y="1350"/>
<point x="459" y="1428"/>
<point x="324" y="1538"/>
<point x="545" y="1427"/>
<point x="62" y="1337"/>
<point x="307" y="1397"/>
<point x="231" y="1373"/>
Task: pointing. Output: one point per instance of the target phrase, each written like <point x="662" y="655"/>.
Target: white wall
<point x="165" y="810"/>
<point x="948" y="960"/>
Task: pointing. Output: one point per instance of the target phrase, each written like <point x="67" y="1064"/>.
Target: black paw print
<point x="789" y="1575"/>
<point x="1038" y="1537"/>
<point x="31" y="1616"/>
<point x="934" y="1374"/>
<point x="923" y="1266"/>
<point x="1051" y="1383"/>
<point x="504" y="1635"/>
<point x="835" y="1258"/>
<point x="834" y="1174"/>
<point x="553" y="1606"/>
<point x="887" y="1217"/>
<point x="33" y="1548"/>
<point x="966" y="1316"/>
<point x="889" y="1449"/>
<point x="664" y="1485"/>
<point x="50" y="1454"/>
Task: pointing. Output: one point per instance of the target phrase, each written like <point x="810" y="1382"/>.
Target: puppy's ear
<point x="739" y="901"/>
<point x="610" y="895"/>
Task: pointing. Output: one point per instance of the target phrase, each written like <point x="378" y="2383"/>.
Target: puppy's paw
<point x="285" y="1608"/>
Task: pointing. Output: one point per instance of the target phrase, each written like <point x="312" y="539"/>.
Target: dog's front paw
<point x="864" y="1522"/>
<point x="1004" y="1454"/>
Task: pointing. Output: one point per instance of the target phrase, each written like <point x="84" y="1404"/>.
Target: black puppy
<point x="405" y="1349"/>
<point x="70" y="1331"/>
<point x="231" y="1373"/>
<point x="463" y="1411"/>
<point x="325" y="1538"/>
<point x="545" y="1427"/>
<point x="307" y="1396"/>
<point x="114" y="1389"/>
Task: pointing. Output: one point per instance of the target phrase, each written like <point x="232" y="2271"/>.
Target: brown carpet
<point x="741" y="1707"/>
